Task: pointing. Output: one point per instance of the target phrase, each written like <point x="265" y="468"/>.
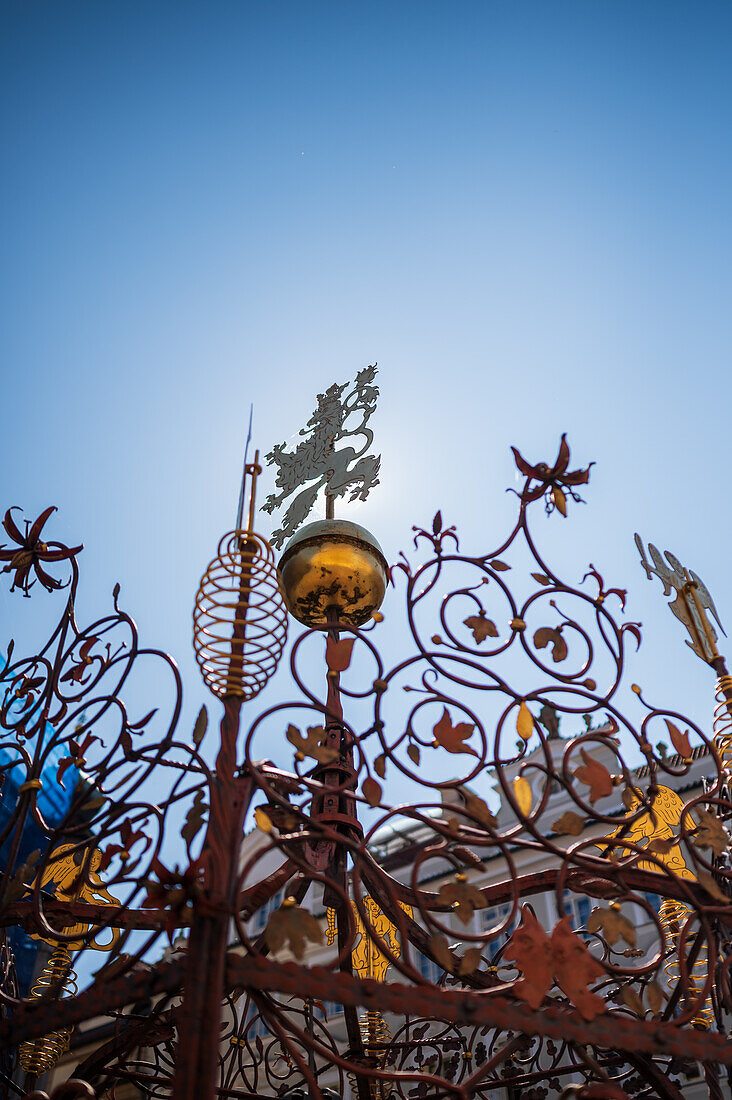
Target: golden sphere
<point x="333" y="566"/>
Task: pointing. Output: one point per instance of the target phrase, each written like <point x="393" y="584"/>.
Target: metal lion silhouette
<point x="342" y="412"/>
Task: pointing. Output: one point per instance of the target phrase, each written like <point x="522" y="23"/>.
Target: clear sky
<point x="520" y="210"/>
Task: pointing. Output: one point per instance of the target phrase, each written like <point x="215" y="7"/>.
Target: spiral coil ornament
<point x="376" y="1036"/>
<point x="239" y="618"/>
<point x="723" y="722"/>
<point x="672" y="915"/>
<point x="56" y="980"/>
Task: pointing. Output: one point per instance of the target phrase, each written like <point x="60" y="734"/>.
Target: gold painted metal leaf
<point x="710" y="833"/>
<point x="569" y="824"/>
<point x="290" y="926"/>
<point x="262" y="821"/>
<point x="612" y="924"/>
<point x="559" y="500"/>
<point x="524" y="722"/>
<point x="522" y="794"/>
<point x="462" y="897"/>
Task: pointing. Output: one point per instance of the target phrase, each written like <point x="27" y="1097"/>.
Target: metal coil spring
<point x="723" y="723"/>
<point x="375" y="1035"/>
<point x="56" y="980"/>
<point x="239" y="618"/>
<point x="672" y="915"/>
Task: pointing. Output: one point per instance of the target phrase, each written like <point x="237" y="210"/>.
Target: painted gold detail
<point x="663" y="824"/>
<point x="74" y="874"/>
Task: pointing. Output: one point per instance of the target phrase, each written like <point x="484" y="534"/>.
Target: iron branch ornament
<point x="419" y="816"/>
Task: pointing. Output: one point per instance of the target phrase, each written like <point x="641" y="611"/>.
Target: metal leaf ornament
<point x="290" y="926"/>
<point x="461" y="896"/>
<point x="452" y="737"/>
<point x="562" y="957"/>
<point x="311" y="744"/>
<point x="595" y="775"/>
<point x="612" y="924"/>
<point x="481" y="627"/>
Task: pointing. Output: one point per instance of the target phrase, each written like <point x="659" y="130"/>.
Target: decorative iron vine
<point x="390" y="808"/>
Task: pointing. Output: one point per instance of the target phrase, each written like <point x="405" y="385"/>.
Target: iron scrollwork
<point x="417" y="814"/>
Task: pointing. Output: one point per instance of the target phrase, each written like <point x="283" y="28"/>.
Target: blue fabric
<point x="53" y="802"/>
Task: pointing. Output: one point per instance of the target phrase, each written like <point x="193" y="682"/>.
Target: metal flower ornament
<point x="489" y="864"/>
<point x="553" y="483"/>
<point x="30" y="551"/>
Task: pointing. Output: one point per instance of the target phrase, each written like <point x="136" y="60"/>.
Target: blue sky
<point x="520" y="210"/>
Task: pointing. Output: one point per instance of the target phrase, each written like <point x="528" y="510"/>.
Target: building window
<point x="495" y="917"/>
<point x="256" y="1025"/>
<point x="654" y="900"/>
<point x="430" y="970"/>
<point x="262" y="915"/>
<point x="332" y="1008"/>
<point x="578" y="907"/>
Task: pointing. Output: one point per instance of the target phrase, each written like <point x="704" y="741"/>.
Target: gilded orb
<point x="333" y="568"/>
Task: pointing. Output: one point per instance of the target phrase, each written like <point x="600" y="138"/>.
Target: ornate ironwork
<point x="343" y="412"/>
<point x="692" y="599"/>
<point x="409" y="799"/>
<point x="239" y="618"/>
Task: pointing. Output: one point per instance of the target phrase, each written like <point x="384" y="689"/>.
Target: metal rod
<point x="240" y="509"/>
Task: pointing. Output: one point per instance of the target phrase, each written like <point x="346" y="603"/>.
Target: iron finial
<point x="692" y="598"/>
